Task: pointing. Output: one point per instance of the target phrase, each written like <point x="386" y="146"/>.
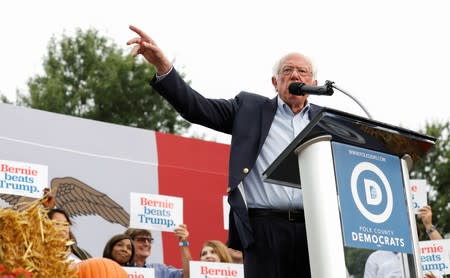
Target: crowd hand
<point x="426" y="215"/>
<point x="181" y="232"/>
<point x="145" y="46"/>
<point x="429" y="275"/>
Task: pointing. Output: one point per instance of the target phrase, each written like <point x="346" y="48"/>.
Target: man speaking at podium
<point x="266" y="220"/>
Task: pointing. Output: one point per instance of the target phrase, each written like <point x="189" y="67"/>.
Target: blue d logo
<point x="373" y="192"/>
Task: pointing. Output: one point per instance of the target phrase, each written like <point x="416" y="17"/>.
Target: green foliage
<point x="4" y="99"/>
<point x="435" y="168"/>
<point x="88" y="76"/>
<point x="355" y="260"/>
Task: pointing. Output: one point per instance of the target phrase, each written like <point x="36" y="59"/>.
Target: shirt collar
<point x="282" y="106"/>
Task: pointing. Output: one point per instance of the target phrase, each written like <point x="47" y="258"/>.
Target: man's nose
<point x="295" y="75"/>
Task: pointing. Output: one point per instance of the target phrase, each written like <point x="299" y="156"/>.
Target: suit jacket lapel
<point x="268" y="112"/>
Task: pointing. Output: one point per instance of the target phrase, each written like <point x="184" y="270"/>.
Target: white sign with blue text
<point x="435" y="256"/>
<point x="155" y="211"/>
<point x="418" y="193"/>
<point x="23" y="178"/>
<point x="372" y="199"/>
<point x="140" y="272"/>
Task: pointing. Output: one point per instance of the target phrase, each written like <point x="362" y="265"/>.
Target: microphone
<point x="300" y="89"/>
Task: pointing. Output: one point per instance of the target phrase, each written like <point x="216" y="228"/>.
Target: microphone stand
<point x="329" y="84"/>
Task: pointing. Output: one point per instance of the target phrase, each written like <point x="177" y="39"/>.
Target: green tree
<point x="4" y="99"/>
<point x="90" y="77"/>
<point x="355" y="260"/>
<point x="435" y="169"/>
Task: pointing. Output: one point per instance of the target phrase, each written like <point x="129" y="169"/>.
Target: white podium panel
<point x="323" y="226"/>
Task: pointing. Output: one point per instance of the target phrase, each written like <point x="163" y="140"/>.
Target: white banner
<point x="24" y="179"/>
<point x="200" y="269"/>
<point x="155" y="212"/>
<point x="140" y="272"/>
<point x="435" y="256"/>
<point x="418" y="193"/>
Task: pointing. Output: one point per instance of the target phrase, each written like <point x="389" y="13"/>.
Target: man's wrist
<point x="164" y="68"/>
<point x="161" y="76"/>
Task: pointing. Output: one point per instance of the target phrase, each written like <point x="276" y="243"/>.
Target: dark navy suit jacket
<point x="247" y="118"/>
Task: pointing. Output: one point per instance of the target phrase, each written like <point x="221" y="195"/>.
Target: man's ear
<point x="274" y="82"/>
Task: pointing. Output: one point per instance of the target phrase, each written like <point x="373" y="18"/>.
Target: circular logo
<point x="373" y="192"/>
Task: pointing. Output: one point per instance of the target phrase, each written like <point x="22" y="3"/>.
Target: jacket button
<point x="245" y="170"/>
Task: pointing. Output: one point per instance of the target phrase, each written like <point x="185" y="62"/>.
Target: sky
<point x="391" y="55"/>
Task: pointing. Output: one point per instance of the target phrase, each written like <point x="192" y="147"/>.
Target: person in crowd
<point x="120" y="249"/>
<point x="212" y="250"/>
<point x="261" y="129"/>
<point x="62" y="219"/>
<point x="142" y="241"/>
<point x="215" y="251"/>
<point x="383" y="263"/>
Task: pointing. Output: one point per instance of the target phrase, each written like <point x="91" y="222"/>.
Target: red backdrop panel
<point x="197" y="171"/>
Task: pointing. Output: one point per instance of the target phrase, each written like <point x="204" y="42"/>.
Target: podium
<point x="354" y="173"/>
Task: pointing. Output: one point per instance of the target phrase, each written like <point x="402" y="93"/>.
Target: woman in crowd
<point x="120" y="249"/>
<point x="212" y="250"/>
<point x="61" y="219"/>
<point x="215" y="251"/>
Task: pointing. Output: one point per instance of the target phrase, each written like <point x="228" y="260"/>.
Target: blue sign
<point x="372" y="199"/>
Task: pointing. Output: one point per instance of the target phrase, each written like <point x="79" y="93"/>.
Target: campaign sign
<point x="140" y="272"/>
<point x="418" y="193"/>
<point x="372" y="199"/>
<point x="198" y="269"/>
<point x="24" y="179"/>
<point x="435" y="256"/>
<point x="155" y="212"/>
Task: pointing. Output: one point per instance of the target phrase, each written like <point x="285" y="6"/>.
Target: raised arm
<point x="146" y="46"/>
<point x="426" y="215"/>
<point x="183" y="234"/>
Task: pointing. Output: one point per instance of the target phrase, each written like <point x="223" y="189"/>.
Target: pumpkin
<point x="100" y="268"/>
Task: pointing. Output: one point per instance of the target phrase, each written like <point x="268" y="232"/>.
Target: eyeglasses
<point x="288" y="70"/>
<point x="144" y="239"/>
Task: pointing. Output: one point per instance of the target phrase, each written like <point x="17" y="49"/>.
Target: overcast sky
<point x="392" y="55"/>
